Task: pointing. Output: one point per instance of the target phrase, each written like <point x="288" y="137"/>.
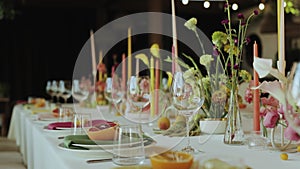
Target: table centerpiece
<point x="222" y="84"/>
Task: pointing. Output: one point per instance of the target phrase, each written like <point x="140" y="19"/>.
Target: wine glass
<point x="49" y="90"/>
<point x="54" y="89"/>
<point x="65" y="90"/>
<point x="108" y="91"/>
<point x="80" y="93"/>
<point x="138" y="94"/>
<point x="114" y="92"/>
<point x="187" y="99"/>
<point x="292" y="94"/>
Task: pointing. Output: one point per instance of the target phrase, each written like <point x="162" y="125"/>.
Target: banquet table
<point x="40" y="147"/>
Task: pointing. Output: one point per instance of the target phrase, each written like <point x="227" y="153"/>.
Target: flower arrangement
<point x="225" y="61"/>
<point x="272" y="111"/>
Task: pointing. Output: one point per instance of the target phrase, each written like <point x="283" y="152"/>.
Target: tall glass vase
<point x="234" y="132"/>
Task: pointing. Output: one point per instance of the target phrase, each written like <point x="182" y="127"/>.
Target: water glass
<point x="128" y="146"/>
<point x="82" y="122"/>
<point x="65" y="114"/>
<point x="256" y="140"/>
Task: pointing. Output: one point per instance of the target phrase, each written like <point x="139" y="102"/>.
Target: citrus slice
<point x="171" y="160"/>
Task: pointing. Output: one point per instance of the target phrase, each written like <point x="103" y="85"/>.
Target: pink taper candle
<point x="256" y="96"/>
<point x="129" y="54"/>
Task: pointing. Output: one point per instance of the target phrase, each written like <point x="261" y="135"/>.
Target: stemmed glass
<point x="49" y="90"/>
<point x="65" y="90"/>
<point x="187" y="99"/>
<point x="115" y="92"/>
<point x="80" y="93"/>
<point x="138" y="94"/>
<point x="54" y="89"/>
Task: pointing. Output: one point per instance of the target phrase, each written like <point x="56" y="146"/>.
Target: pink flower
<point x="271" y="101"/>
<point x="271" y="118"/>
<point x="248" y="95"/>
<point x="145" y="85"/>
<point x="291" y="134"/>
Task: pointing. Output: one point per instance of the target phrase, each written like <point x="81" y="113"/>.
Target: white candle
<point x="137" y="67"/>
<point x="281" y="35"/>
<point x="174" y="48"/>
<point x="93" y="53"/>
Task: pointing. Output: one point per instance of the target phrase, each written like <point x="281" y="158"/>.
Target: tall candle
<point x="280" y="33"/>
<point x="93" y="54"/>
<point x="157" y="82"/>
<point x="152" y="108"/>
<point x="256" y="96"/>
<point x="100" y="56"/>
<point x="100" y="62"/>
<point x="129" y="53"/>
<point x="123" y="71"/>
<point x="137" y="67"/>
<point x="174" y="31"/>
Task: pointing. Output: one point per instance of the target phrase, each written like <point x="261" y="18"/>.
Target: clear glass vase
<point x="234" y="132"/>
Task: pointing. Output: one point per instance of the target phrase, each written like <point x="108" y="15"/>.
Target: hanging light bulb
<point x="206" y="4"/>
<point x="235" y="6"/>
<point x="185" y="2"/>
<point x="261" y="6"/>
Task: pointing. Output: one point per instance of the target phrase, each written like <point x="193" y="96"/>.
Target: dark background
<point x="43" y="40"/>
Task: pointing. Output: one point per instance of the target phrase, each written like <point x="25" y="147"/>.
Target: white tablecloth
<point x="40" y="149"/>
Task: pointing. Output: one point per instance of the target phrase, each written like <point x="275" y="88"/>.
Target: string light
<point x="206" y="4"/>
<point x="261" y="6"/>
<point x="185" y="2"/>
<point x="235" y="6"/>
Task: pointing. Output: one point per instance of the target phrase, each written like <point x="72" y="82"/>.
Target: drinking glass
<point x="187" y="99"/>
<point x="80" y="93"/>
<point x="108" y="92"/>
<point x="66" y="114"/>
<point x="128" y="148"/>
<point x="292" y="94"/>
<point x="65" y="90"/>
<point x="48" y="89"/>
<point x="53" y="90"/>
<point x="138" y="95"/>
<point x="82" y="122"/>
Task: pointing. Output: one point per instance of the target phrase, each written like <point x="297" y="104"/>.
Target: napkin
<point x="70" y="140"/>
<point x="55" y="125"/>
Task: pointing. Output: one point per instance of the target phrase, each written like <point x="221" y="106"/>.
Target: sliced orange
<point x="171" y="160"/>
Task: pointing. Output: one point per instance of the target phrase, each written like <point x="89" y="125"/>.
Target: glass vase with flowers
<point x="229" y="45"/>
<point x="224" y="73"/>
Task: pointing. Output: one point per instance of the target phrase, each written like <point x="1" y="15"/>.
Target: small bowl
<point x="213" y="125"/>
<point x="104" y="131"/>
<point x="171" y="160"/>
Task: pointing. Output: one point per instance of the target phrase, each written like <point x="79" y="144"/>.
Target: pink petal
<point x="274" y="88"/>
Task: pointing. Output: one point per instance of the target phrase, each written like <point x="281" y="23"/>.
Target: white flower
<point x="191" y="24"/>
<point x="262" y="66"/>
<point x="205" y="60"/>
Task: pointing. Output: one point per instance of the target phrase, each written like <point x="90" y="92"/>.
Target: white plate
<point x="63" y="128"/>
<point x="62" y="146"/>
<point x="110" y="146"/>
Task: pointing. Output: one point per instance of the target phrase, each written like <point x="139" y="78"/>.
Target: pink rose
<point x="291" y="134"/>
<point x="248" y="95"/>
<point x="271" y="119"/>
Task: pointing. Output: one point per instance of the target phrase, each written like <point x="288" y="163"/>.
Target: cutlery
<point x="99" y="160"/>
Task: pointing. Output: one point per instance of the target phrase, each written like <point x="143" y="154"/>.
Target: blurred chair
<point x="4" y="107"/>
<point x="10" y="156"/>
